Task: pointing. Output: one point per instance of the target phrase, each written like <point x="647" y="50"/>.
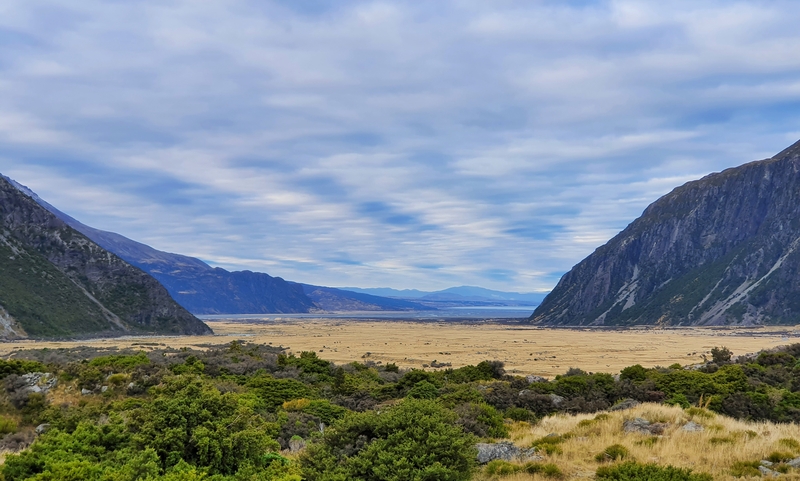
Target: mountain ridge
<point x="205" y="290"/>
<point x="57" y="282"/>
<point x="720" y="250"/>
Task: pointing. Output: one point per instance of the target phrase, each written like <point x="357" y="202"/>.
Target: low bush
<point x="780" y="456"/>
<point x="743" y="469"/>
<point x="789" y="443"/>
<point x="614" y="452"/>
<point x="547" y="470"/>
<point x="632" y="471"/>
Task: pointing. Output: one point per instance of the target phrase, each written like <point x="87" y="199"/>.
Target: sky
<point x="399" y="144"/>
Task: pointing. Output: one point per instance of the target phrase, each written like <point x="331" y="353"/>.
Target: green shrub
<point x="498" y="467"/>
<point x="520" y="414"/>
<point x="547" y="470"/>
<point x="634" y="373"/>
<point x="699" y="412"/>
<point x="415" y="439"/>
<point x="780" y="456"/>
<point x="717" y="440"/>
<point x="550" y="444"/>
<point x="481" y="420"/>
<point x="789" y="443"/>
<point x="120" y="362"/>
<point x="7" y="425"/>
<point x="632" y="471"/>
<point x="742" y="469"/>
<point x="423" y="390"/>
<point x="648" y="442"/>
<point x="614" y="452"/>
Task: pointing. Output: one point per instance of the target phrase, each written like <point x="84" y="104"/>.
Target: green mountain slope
<point x="57" y="282"/>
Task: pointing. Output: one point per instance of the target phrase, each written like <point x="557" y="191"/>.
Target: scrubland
<point x="142" y="410"/>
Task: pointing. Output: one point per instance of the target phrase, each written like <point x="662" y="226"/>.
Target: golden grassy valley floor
<point x="525" y="350"/>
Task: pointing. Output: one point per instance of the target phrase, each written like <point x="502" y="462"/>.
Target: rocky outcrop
<point x="505" y="451"/>
<point x="721" y="250"/>
<point x="57" y="282"/>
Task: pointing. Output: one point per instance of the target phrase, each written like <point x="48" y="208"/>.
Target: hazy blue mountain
<point x="721" y="250"/>
<point x="332" y="299"/>
<point x="56" y="282"/>
<point x="456" y="294"/>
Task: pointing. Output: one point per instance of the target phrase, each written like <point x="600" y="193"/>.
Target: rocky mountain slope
<point x="203" y="289"/>
<point x="57" y="282"/>
<point x="724" y="249"/>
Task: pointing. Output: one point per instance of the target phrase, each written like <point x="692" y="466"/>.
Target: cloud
<point x="387" y="143"/>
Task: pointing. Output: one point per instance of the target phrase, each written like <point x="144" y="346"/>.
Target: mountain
<point x="455" y="294"/>
<point x="57" y="282"/>
<point x="724" y="249"/>
<point x="332" y="299"/>
<point x="203" y="289"/>
<point x="455" y="297"/>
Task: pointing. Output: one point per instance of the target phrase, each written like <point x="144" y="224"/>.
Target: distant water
<point x="476" y="313"/>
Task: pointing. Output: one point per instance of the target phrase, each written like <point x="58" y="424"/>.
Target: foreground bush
<point x="415" y="440"/>
<point x="631" y="471"/>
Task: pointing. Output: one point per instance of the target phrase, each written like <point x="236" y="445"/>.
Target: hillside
<point x="202" y="289"/>
<point x="57" y="282"/>
<point x="719" y="250"/>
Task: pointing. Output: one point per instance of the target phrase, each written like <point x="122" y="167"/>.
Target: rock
<point x="692" y="427"/>
<point x="85" y="392"/>
<point x="42" y="428"/>
<point x="296" y="444"/>
<point x="532" y="379"/>
<point x="131" y="385"/>
<point x="767" y="472"/>
<point x="557" y="400"/>
<point x="36" y="389"/>
<point x="104" y="389"/>
<point x="626" y="404"/>
<point x="641" y="425"/>
<point x="505" y="451"/>
<point x="636" y="425"/>
<point x="766" y="463"/>
<point x="658" y="429"/>
<point x="795" y="463"/>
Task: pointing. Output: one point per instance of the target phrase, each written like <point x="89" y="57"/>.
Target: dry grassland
<point x="525" y="350"/>
<point x="714" y="450"/>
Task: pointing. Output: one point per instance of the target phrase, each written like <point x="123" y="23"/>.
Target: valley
<point x="523" y="349"/>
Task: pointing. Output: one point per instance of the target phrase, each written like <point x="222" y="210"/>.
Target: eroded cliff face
<point x="724" y="249"/>
<point x="57" y="282"/>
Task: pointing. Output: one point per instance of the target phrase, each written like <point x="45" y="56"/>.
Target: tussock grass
<point x="581" y="437"/>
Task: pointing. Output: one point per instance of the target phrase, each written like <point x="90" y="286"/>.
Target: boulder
<point x="768" y="472"/>
<point x="505" y="451"/>
<point x="104" y="389"/>
<point x="85" y="392"/>
<point x="641" y="425"/>
<point x="795" y="463"/>
<point x="626" y="404"/>
<point x="557" y="400"/>
<point x="42" y="428"/>
<point x="296" y="444"/>
<point x="692" y="427"/>
<point x="532" y="379"/>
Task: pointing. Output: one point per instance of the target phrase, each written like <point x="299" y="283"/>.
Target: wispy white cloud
<point x="397" y="143"/>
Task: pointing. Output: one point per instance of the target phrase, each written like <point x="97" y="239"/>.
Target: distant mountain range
<point x="458" y="294"/>
<point x="56" y="282"/>
<point x="722" y="250"/>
